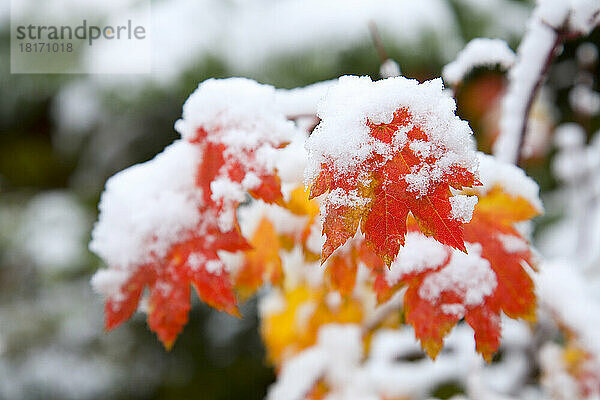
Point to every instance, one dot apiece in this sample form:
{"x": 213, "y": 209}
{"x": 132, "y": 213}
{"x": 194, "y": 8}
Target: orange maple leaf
{"x": 381, "y": 199}
{"x": 262, "y": 263}
{"x": 342, "y": 267}
{"x": 193, "y": 261}
{"x": 506, "y": 253}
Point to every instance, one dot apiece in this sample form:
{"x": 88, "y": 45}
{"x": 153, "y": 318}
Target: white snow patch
{"x": 512, "y": 179}
{"x": 343, "y": 137}
{"x": 108, "y": 282}
{"x": 536, "y": 47}
{"x": 148, "y": 207}
{"x": 480, "y": 52}
{"x": 462, "y": 207}
{"x": 468, "y": 275}
{"x": 418, "y": 254}
{"x": 237, "y": 111}
{"x": 512, "y": 243}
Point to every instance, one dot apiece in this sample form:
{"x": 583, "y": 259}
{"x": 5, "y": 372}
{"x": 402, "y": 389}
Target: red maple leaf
{"x": 378, "y": 197}
{"x": 235, "y": 165}
{"x": 505, "y": 252}
{"x": 193, "y": 261}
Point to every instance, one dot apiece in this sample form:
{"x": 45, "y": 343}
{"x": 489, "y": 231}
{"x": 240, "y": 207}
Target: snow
{"x": 570, "y": 163}
{"x": 532, "y": 55}
{"x": 389, "y": 69}
{"x": 52, "y": 231}
{"x": 108, "y": 282}
{"x": 291, "y": 160}
{"x": 512, "y": 243}
{"x": 251, "y": 181}
{"x": 214, "y": 267}
{"x": 345, "y": 347}
{"x": 284, "y": 221}
{"x": 147, "y": 208}
{"x": 242, "y": 115}
{"x": 584, "y": 16}
{"x": 557, "y": 381}
{"x": 552, "y": 12}
{"x": 303, "y": 100}
{"x": 419, "y": 254}
{"x": 388, "y": 370}
{"x": 568, "y": 295}
{"x": 462, "y": 207}
{"x": 61, "y": 350}
{"x": 338, "y": 348}
{"x": 298, "y": 271}
{"x": 298, "y": 376}
{"x": 343, "y": 137}
{"x": 584, "y": 100}
{"x": 393, "y": 376}
{"x": 224, "y": 188}
{"x": 231, "y": 261}
{"x": 587, "y": 54}
{"x": 480, "y": 52}
{"x": 468, "y": 275}
{"x": 352, "y": 198}
{"x": 316, "y": 239}
{"x": 87, "y": 377}
{"x": 334, "y": 300}
{"x": 271, "y": 303}
{"x": 237, "y": 111}
{"x": 569, "y": 136}
{"x": 228, "y": 193}
{"x": 196, "y": 260}
{"x": 510, "y": 178}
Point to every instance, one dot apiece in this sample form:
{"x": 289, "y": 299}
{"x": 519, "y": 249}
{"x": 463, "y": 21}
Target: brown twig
{"x": 533, "y": 94}
{"x": 377, "y": 42}
{"x": 563, "y": 34}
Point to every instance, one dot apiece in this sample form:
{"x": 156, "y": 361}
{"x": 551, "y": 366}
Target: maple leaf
{"x": 341, "y": 270}
{"x": 506, "y": 249}
{"x": 301, "y": 204}
{"x": 218, "y": 161}
{"x": 342, "y": 267}
{"x": 380, "y": 193}
{"x": 294, "y": 326}
{"x": 191, "y": 262}
{"x": 194, "y": 260}
{"x": 262, "y": 263}
{"x": 479, "y": 286}
{"x": 162, "y": 223}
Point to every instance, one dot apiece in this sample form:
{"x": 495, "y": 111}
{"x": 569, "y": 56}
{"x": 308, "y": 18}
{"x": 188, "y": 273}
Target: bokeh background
{"x": 62, "y": 136}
